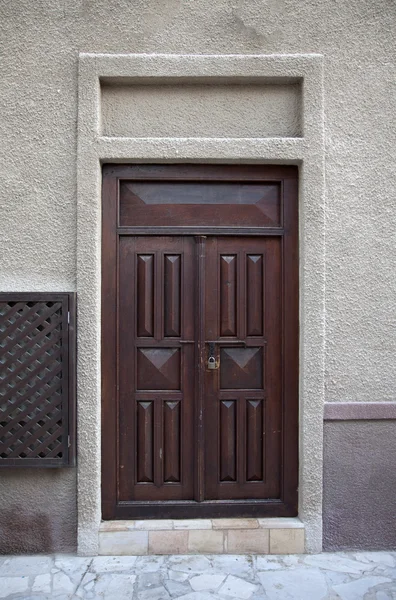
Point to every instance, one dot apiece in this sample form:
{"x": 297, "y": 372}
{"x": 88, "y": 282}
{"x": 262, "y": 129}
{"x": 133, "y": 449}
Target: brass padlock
{"x": 212, "y": 363}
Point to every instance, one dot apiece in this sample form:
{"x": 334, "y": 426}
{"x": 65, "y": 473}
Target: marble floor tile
{"x": 112, "y": 564}
{"x": 177, "y": 588}
{"x": 13, "y": 585}
{"x": 357, "y": 589}
{"x": 190, "y": 564}
{"x": 157, "y": 593}
{"x": 235, "y": 587}
{"x": 207, "y": 582}
{"x": 299, "y": 584}
{"x": 111, "y": 586}
{"x": 149, "y": 564}
{"x": 239, "y": 565}
{"x": 146, "y": 581}
{"x": 177, "y": 575}
{"x": 327, "y": 576}
{"x": 26, "y": 565}
{"x": 341, "y": 564}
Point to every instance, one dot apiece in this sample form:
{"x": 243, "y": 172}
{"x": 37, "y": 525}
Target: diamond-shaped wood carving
{"x": 158, "y": 368}
{"x": 241, "y": 368}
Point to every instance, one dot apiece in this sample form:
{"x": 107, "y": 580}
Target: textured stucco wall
{"x": 39, "y": 45}
{"x": 201, "y": 110}
{"x": 38, "y": 511}
{"x": 359, "y": 485}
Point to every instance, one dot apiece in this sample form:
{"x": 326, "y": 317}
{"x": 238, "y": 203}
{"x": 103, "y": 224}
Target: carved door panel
{"x": 156, "y": 368}
{"x": 242, "y": 409}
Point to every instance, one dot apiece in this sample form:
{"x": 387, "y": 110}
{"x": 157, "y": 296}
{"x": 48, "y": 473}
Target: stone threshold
{"x": 202, "y": 536}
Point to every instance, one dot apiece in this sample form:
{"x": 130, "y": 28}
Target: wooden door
{"x": 181, "y": 439}
{"x": 243, "y": 402}
{"x": 156, "y": 368}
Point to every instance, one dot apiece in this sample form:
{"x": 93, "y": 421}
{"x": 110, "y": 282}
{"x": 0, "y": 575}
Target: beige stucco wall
{"x": 39, "y": 45}
{"x": 201, "y": 110}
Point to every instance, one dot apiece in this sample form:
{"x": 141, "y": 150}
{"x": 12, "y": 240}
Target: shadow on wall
{"x": 22, "y": 532}
{"x": 38, "y": 511}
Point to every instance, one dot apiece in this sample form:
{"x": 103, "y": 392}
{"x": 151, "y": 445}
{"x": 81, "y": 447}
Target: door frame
{"x": 287, "y": 179}
{"x": 308, "y": 152}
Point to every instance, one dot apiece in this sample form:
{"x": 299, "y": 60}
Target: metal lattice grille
{"x": 34, "y": 381}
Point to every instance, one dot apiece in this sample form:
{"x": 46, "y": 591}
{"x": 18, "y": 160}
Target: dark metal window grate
{"x": 37, "y": 364}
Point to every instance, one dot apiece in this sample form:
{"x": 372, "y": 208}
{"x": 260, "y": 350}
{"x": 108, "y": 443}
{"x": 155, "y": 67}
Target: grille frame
{"x": 38, "y": 402}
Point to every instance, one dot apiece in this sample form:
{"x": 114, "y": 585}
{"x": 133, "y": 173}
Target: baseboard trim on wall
{"x": 357, "y": 411}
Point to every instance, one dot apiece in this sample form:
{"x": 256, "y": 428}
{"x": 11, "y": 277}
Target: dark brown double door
{"x": 200, "y": 423}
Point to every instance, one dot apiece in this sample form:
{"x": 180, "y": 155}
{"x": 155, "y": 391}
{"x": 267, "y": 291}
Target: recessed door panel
{"x": 241, "y": 368}
{"x": 145, "y": 295}
{"x": 178, "y": 203}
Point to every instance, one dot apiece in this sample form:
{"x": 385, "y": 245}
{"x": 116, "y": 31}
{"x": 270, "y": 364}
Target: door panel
{"x": 156, "y": 368}
{"x": 243, "y": 402}
{"x": 169, "y": 203}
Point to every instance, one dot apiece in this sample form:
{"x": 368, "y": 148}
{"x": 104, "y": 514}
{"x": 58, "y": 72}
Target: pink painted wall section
{"x": 348, "y": 411}
{"x": 359, "y": 503}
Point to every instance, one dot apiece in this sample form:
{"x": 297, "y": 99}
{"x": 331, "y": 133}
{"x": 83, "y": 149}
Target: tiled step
{"x": 202, "y": 536}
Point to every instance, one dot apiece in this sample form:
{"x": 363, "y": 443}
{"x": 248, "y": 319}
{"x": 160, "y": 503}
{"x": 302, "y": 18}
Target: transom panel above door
{"x": 200, "y": 341}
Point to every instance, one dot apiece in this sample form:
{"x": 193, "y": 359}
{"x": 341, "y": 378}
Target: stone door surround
{"x": 304, "y": 148}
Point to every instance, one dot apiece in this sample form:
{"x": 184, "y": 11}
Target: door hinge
{"x": 68, "y": 441}
{"x": 68, "y": 317}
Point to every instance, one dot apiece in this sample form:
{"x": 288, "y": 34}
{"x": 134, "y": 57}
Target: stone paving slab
{"x": 328, "y": 576}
